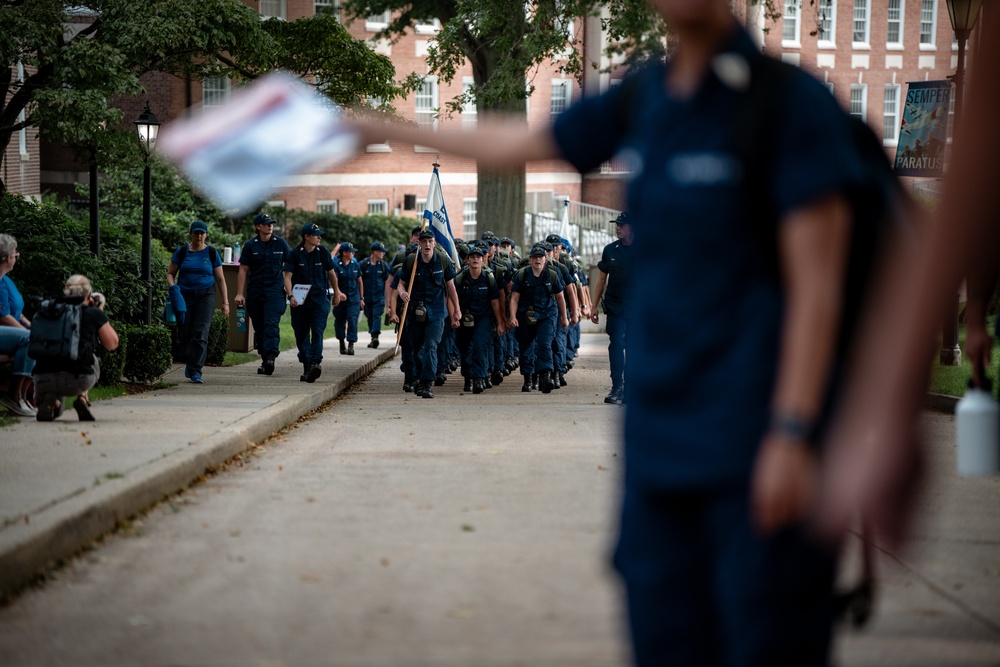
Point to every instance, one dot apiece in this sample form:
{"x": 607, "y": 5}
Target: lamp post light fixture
{"x": 147, "y": 126}
{"x": 963, "y": 15}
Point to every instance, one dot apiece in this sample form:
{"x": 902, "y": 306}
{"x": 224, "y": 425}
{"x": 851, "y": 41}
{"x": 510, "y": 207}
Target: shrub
{"x": 148, "y": 353}
{"x": 113, "y": 361}
{"x": 218, "y": 339}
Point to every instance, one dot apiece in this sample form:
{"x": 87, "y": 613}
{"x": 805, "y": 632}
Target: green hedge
{"x": 113, "y": 361}
{"x": 218, "y": 339}
{"x": 148, "y": 355}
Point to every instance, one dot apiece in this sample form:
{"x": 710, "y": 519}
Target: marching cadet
{"x": 346, "y": 313}
{"x": 612, "y": 286}
{"x": 537, "y": 293}
{"x": 430, "y": 297}
{"x": 374, "y": 273}
{"x": 479, "y": 299}
{"x": 553, "y": 247}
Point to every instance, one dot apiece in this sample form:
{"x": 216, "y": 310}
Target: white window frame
{"x": 421, "y": 206}
{"x": 898, "y": 44}
{"x": 469, "y": 209}
{"x": 890, "y": 114}
{"x": 282, "y": 9}
{"x": 378, "y": 207}
{"x": 320, "y": 7}
{"x": 862, "y": 90}
{"x": 276, "y": 203}
{"x": 565, "y": 86}
{"x": 932, "y": 34}
{"x": 791, "y": 17}
{"x": 429, "y": 109}
{"x": 383, "y": 147}
{"x": 378, "y": 22}
{"x": 864, "y": 9}
{"x": 328, "y": 206}
{"x": 427, "y": 26}
{"x": 215, "y": 91}
{"x": 825, "y": 41}
{"x": 470, "y": 113}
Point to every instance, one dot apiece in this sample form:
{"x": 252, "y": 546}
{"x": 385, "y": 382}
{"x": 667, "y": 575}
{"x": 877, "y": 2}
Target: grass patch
{"x": 287, "y": 339}
{"x": 952, "y": 380}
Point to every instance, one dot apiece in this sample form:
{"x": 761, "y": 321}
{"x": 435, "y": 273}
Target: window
{"x": 827, "y": 22}
{"x": 377, "y": 22}
{"x": 329, "y": 206}
{"x": 427, "y": 102}
{"x": 859, "y": 101}
{"x": 560, "y": 96}
{"x": 928, "y": 22}
{"x": 470, "y": 114}
{"x": 376, "y": 102}
{"x": 860, "y": 22}
{"x": 829, "y": 86}
{"x": 790, "y": 23}
{"x": 378, "y": 207}
{"x": 469, "y": 218}
{"x": 894, "y": 25}
{"x": 276, "y": 203}
{"x": 327, "y": 7}
{"x": 427, "y": 26}
{"x": 272, "y": 9}
{"x": 890, "y": 115}
{"x": 215, "y": 91}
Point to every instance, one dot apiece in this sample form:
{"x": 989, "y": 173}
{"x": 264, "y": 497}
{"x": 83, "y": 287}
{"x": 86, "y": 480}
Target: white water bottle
{"x": 977, "y": 431}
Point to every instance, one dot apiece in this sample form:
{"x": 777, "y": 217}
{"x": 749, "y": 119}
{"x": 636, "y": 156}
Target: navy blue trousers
{"x": 615, "y": 326}
{"x": 265, "y": 311}
{"x": 373, "y": 315}
{"x": 426, "y": 338}
{"x": 474, "y": 347}
{"x": 309, "y": 325}
{"x": 345, "y": 321}
{"x": 706, "y": 590}
{"x": 535, "y": 343}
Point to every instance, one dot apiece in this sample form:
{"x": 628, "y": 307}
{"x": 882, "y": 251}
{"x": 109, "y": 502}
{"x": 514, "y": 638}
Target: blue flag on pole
{"x": 437, "y": 218}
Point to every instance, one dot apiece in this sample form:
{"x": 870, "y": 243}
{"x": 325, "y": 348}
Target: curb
{"x": 29, "y": 550}
{"x": 940, "y": 402}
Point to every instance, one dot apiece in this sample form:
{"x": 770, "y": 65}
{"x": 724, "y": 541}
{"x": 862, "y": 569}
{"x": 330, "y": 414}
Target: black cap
{"x": 426, "y": 233}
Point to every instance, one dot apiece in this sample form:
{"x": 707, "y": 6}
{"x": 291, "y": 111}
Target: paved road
{"x": 464, "y": 530}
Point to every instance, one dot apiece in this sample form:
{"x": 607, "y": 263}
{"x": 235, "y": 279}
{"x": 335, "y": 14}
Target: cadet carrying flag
{"x": 437, "y": 218}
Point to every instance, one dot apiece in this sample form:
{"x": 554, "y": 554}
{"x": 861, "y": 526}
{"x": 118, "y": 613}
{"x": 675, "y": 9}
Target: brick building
{"x": 865, "y": 51}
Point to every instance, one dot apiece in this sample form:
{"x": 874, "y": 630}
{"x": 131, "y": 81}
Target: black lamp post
{"x": 95, "y": 225}
{"x": 963, "y": 15}
{"x": 147, "y": 126}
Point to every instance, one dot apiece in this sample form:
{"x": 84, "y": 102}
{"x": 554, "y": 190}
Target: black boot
{"x": 545, "y": 382}
{"x": 534, "y": 382}
{"x": 350, "y": 349}
{"x": 614, "y": 397}
{"x": 409, "y": 384}
{"x": 562, "y": 380}
{"x": 343, "y": 346}
{"x": 526, "y": 387}
{"x": 468, "y": 385}
{"x": 374, "y": 343}
{"x": 478, "y": 385}
{"x": 440, "y": 379}
{"x": 314, "y": 373}
{"x": 486, "y": 383}
{"x": 496, "y": 378}
{"x": 426, "y": 391}
{"x": 267, "y": 365}
{"x": 305, "y": 372}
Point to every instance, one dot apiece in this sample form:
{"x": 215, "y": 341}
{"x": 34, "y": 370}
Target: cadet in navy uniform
{"x": 374, "y": 273}
{"x": 428, "y": 299}
{"x": 346, "y": 313}
{"x": 536, "y": 301}
{"x": 479, "y": 298}
{"x": 612, "y": 285}
{"x": 200, "y": 270}
{"x": 260, "y": 268}
{"x": 311, "y": 264}
{"x": 732, "y": 346}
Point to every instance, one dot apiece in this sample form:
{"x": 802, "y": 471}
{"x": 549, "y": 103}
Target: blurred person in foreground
{"x": 57, "y": 378}
{"x": 874, "y": 457}
{"x": 14, "y": 326}
{"x": 732, "y": 339}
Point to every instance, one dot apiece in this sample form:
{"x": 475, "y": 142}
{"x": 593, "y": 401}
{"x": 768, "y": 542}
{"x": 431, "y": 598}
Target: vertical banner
{"x": 924, "y": 129}
{"x": 564, "y": 222}
{"x": 437, "y": 218}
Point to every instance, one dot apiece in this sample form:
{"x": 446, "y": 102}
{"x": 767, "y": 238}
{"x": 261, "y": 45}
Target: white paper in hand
{"x": 238, "y": 153}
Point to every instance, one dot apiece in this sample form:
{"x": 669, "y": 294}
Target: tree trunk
{"x": 500, "y": 204}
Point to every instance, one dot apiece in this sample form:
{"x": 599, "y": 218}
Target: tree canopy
{"x": 79, "y": 56}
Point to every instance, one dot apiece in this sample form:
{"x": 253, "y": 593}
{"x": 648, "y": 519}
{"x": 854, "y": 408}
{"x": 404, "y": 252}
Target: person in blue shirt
{"x": 310, "y": 265}
{"x": 196, "y": 270}
{"x": 14, "y": 332}
{"x": 261, "y": 282}
{"x": 732, "y": 344}
{"x": 537, "y": 306}
{"x": 375, "y": 271}
{"x": 346, "y": 313}
{"x": 479, "y": 299}
{"x": 612, "y": 286}
{"x": 430, "y": 297}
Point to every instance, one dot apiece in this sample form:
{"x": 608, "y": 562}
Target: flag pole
{"x": 413, "y": 273}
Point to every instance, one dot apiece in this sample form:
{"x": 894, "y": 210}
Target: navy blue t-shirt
{"x": 265, "y": 261}
{"x": 615, "y": 261}
{"x": 429, "y": 284}
{"x": 705, "y": 319}
{"x": 347, "y": 280}
{"x": 476, "y": 294}
{"x": 311, "y": 268}
{"x": 537, "y": 291}
{"x": 373, "y": 276}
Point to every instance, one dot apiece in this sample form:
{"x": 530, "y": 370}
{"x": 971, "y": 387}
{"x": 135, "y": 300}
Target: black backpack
{"x": 55, "y": 329}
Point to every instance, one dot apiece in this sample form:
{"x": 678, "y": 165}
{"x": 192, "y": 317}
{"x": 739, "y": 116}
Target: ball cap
{"x": 198, "y": 226}
{"x": 553, "y": 239}
{"x": 426, "y": 234}
{"x": 346, "y": 247}
{"x": 476, "y": 250}
{"x": 378, "y": 246}
{"x": 311, "y": 229}
{"x": 622, "y": 219}
{"x": 263, "y": 219}
{"x": 538, "y": 250}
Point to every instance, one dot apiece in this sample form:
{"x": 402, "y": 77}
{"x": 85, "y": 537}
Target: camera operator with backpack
{"x": 64, "y": 337}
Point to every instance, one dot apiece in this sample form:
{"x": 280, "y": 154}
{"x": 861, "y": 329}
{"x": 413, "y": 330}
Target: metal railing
{"x": 590, "y": 228}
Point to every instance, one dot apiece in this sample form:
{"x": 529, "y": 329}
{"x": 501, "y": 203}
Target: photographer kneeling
{"x": 56, "y": 378}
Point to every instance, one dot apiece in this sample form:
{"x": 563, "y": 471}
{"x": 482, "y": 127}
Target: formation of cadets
{"x": 496, "y": 313}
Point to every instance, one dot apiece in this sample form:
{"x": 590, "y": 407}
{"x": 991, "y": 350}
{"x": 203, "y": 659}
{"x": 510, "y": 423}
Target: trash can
{"x": 239, "y": 341}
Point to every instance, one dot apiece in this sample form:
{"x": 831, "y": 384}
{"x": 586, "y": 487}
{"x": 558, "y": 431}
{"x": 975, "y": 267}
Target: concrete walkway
{"x": 66, "y": 483}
